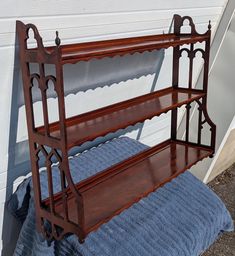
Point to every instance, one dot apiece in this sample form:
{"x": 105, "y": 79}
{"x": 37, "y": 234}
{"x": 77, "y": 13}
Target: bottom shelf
{"x": 110, "y": 192}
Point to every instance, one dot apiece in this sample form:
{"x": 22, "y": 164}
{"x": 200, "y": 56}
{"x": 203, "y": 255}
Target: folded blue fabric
{"x": 184, "y": 217}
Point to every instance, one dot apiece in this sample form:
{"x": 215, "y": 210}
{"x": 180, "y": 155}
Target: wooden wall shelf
{"x": 83, "y": 207}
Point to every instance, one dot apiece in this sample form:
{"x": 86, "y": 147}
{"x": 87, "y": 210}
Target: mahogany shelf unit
{"x": 81, "y": 208}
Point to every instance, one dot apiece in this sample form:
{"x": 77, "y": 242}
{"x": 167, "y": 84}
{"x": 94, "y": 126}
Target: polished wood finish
{"x": 89, "y": 126}
{"x": 83, "y": 207}
{"x": 109, "y": 48}
{"x": 131, "y": 180}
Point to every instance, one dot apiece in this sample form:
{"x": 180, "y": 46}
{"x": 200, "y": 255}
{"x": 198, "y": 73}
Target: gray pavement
{"x": 224, "y": 187}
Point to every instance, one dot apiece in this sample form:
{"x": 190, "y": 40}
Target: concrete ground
{"x": 224, "y": 187}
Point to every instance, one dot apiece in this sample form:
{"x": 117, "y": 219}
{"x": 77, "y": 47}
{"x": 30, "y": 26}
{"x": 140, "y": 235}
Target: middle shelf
{"x": 93, "y": 124}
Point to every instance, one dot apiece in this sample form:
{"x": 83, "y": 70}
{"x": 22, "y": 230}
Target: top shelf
{"x": 73, "y": 53}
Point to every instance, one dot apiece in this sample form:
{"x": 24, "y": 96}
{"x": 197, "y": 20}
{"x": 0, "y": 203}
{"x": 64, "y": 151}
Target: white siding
{"x": 222, "y": 79}
{"x": 87, "y": 20}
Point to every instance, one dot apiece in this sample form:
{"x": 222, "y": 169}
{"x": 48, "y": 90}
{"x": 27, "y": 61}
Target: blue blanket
{"x": 184, "y": 217}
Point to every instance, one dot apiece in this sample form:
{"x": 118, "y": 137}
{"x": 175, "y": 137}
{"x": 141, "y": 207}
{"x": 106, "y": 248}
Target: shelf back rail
{"x": 42, "y": 144}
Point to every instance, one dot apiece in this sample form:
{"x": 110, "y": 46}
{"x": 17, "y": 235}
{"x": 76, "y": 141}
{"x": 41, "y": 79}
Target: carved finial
{"x": 57, "y": 39}
{"x": 209, "y": 26}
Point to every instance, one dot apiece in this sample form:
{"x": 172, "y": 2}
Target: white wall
{"x": 225, "y": 156}
{"x": 78, "y": 21}
{"x": 222, "y": 78}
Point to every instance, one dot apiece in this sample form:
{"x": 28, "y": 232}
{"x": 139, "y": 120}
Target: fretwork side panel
{"x": 44, "y": 148}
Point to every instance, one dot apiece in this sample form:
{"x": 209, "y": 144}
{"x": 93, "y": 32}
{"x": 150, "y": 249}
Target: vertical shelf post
{"x": 175, "y": 75}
